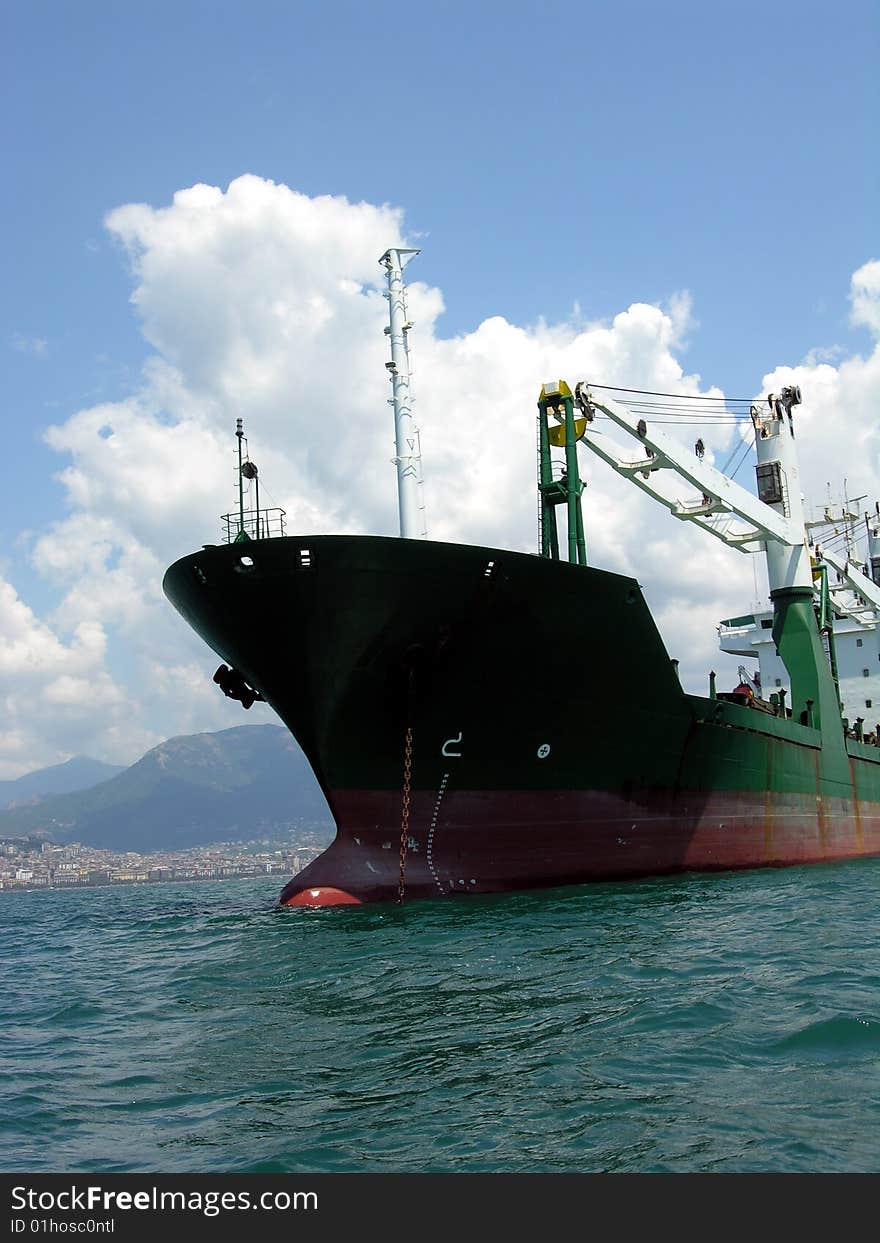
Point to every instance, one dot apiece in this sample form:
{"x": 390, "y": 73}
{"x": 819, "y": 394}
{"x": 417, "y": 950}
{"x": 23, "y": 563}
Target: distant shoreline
{"x": 129, "y": 884}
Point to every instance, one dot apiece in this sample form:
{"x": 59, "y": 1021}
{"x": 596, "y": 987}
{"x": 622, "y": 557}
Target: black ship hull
{"x": 550, "y": 739}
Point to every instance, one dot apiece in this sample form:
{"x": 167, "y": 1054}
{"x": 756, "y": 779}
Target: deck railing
{"x": 253, "y": 524}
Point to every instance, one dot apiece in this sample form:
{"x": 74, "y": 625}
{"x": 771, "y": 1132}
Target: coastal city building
{"x": 29, "y": 864}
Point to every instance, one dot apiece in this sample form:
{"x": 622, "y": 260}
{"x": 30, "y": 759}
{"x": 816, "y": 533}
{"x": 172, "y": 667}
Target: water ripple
{"x": 696, "y": 1023}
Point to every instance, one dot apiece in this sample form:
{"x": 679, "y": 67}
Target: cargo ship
{"x": 482, "y": 720}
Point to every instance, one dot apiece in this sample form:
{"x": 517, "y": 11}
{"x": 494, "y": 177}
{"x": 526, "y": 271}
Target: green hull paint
{"x": 814, "y": 697}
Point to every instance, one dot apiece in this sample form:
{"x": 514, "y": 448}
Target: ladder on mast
{"x": 557, "y": 402}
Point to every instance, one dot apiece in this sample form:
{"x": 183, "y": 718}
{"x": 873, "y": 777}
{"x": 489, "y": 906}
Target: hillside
{"x": 76, "y": 774}
{"x": 188, "y": 791}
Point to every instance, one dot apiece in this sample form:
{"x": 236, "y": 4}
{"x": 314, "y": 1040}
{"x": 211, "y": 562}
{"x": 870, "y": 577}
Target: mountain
{"x": 199, "y": 788}
{"x": 76, "y": 774}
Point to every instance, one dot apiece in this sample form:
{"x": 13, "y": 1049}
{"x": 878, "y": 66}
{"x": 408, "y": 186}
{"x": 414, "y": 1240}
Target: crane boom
{"x": 854, "y": 578}
{"x": 720, "y": 497}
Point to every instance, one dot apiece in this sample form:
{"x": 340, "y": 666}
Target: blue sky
{"x": 545, "y": 157}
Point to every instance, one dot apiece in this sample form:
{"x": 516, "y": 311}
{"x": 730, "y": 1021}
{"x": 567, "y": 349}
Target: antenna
{"x": 239, "y": 431}
{"x": 408, "y": 458}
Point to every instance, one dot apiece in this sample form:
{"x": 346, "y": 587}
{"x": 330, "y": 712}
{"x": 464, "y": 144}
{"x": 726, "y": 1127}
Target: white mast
{"x": 788, "y": 565}
{"x": 408, "y": 457}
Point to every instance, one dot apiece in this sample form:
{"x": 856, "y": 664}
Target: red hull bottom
{"x": 491, "y": 841}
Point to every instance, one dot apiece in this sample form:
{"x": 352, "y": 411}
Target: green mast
{"x": 556, "y": 402}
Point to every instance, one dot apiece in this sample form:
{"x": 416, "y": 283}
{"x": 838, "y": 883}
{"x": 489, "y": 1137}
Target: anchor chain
{"x": 404, "y": 816}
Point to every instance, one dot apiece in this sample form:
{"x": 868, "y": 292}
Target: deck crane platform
{"x": 772, "y": 522}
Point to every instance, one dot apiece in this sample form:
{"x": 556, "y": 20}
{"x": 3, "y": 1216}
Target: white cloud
{"x": 24, "y": 344}
{"x": 55, "y": 692}
{"x": 262, "y": 303}
{"x": 865, "y": 296}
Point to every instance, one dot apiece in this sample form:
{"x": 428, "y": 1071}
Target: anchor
{"x": 233, "y": 685}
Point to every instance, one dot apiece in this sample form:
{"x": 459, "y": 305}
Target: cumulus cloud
{"x": 865, "y": 296}
{"x": 53, "y": 689}
{"x": 260, "y": 302}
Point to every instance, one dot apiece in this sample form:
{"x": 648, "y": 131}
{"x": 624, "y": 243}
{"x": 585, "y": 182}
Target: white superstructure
{"x": 854, "y": 591}
{"x": 858, "y": 659}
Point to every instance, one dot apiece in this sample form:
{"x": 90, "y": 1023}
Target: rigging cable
{"x": 646, "y": 392}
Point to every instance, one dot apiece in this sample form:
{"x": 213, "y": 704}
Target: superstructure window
{"x": 767, "y": 623}
{"x": 866, "y": 673}
{"x": 779, "y": 681}
{"x": 858, "y": 642}
{"x": 869, "y": 703}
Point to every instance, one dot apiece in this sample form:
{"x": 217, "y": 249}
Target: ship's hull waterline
{"x": 551, "y": 742}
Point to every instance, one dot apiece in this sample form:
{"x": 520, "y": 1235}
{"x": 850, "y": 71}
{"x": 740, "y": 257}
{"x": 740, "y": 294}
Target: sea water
{"x": 726, "y": 1022}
